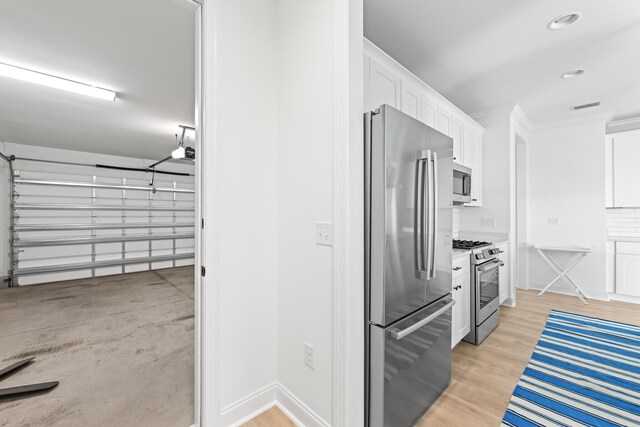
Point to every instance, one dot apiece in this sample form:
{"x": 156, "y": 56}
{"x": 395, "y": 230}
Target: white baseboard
{"x": 274, "y": 394}
{"x": 624, "y": 298}
{"x": 242, "y": 410}
{"x": 297, "y": 410}
{"x": 509, "y": 302}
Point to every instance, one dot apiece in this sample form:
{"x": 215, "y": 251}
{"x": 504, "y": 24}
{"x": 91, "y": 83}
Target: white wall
{"x": 495, "y": 177}
{"x": 305, "y": 195}
{"x": 240, "y": 139}
{"x": 567, "y": 180}
{"x": 269, "y": 136}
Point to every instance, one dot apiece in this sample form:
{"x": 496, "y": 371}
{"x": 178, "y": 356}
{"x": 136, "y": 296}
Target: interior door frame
{"x": 202, "y": 324}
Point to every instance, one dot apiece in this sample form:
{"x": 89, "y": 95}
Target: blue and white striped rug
{"x": 584, "y": 371}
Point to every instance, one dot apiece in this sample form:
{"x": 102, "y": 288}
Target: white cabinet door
{"x": 444, "y": 121}
{"x": 628, "y": 268}
{"x": 456, "y": 134}
{"x": 464, "y": 305}
{"x": 475, "y": 163}
{"x": 465, "y": 155}
{"x": 610, "y": 251}
{"x": 626, "y": 152}
{"x": 461, "y": 312}
{"x": 428, "y": 111}
{"x": 411, "y": 100}
{"x": 503, "y": 288}
{"x": 628, "y": 274}
{"x": 608, "y": 171}
{"x": 384, "y": 86}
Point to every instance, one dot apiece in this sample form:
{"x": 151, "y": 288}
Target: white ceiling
{"x": 142, "y": 49}
{"x": 487, "y": 54}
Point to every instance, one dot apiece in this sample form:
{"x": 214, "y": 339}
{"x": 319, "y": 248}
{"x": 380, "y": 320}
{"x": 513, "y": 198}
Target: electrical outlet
{"x": 487, "y": 222}
{"x": 308, "y": 355}
{"x": 552, "y": 220}
{"x": 324, "y": 233}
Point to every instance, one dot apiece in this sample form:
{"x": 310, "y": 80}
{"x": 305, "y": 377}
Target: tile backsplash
{"x": 456, "y": 222}
{"x": 623, "y": 222}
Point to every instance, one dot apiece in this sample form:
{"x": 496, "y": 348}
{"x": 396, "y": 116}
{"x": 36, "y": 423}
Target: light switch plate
{"x": 552, "y": 220}
{"x": 308, "y": 355}
{"x": 324, "y": 233}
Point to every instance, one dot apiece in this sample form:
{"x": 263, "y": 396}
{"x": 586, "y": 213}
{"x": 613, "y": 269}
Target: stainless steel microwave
{"x": 461, "y": 184}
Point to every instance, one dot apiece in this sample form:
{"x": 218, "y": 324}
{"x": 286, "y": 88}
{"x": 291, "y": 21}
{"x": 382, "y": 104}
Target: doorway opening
{"x": 100, "y": 212}
{"x": 521, "y": 241}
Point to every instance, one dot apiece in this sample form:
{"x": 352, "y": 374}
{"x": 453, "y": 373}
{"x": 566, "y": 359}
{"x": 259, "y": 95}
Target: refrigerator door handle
{"x": 403, "y": 333}
{"x": 422, "y": 215}
{"x": 434, "y": 215}
{"x": 429, "y": 259}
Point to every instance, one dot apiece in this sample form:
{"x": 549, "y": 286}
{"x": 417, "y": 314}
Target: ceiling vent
{"x": 583, "y": 106}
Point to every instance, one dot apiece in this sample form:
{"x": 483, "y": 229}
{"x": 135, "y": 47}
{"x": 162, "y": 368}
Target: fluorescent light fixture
{"x": 563, "y": 21}
{"x": 573, "y": 74}
{"x": 48, "y": 80}
{"x": 178, "y": 153}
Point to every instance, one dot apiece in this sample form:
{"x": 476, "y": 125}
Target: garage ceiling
{"x": 486, "y": 54}
{"x": 142, "y": 49}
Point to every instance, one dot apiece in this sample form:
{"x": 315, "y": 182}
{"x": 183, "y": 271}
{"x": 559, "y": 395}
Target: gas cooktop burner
{"x": 469, "y": 244}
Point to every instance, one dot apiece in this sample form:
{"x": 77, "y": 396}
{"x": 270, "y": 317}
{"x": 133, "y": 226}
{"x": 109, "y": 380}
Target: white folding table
{"x": 580, "y": 254}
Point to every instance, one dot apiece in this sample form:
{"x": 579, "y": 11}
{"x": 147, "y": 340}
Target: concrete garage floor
{"x": 121, "y": 347}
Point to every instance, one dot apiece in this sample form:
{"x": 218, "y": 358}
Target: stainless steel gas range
{"x": 485, "y": 285}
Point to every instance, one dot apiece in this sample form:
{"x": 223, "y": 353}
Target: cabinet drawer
{"x": 460, "y": 266}
{"x": 504, "y": 248}
{"x": 630, "y": 248}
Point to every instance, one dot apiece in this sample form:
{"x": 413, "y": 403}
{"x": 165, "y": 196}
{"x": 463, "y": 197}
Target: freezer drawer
{"x": 410, "y": 365}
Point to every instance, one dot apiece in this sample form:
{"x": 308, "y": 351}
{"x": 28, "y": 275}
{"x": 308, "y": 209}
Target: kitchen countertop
{"x": 495, "y": 238}
{"x": 459, "y": 253}
{"x": 622, "y": 239}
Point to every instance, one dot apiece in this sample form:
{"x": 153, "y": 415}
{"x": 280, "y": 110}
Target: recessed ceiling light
{"x": 48, "y": 80}
{"x": 572, "y": 74}
{"x": 563, "y": 21}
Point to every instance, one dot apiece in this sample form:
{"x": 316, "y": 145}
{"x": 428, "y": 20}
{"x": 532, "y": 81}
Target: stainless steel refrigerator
{"x": 408, "y": 237}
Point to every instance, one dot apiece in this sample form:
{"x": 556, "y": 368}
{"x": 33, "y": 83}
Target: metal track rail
{"x": 111, "y": 226}
{"x": 70, "y": 207}
{"x": 105, "y": 186}
{"x": 27, "y": 243}
{"x": 97, "y": 264}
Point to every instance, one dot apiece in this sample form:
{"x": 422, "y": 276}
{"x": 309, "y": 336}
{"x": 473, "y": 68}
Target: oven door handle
{"x": 430, "y": 318}
{"x": 493, "y": 265}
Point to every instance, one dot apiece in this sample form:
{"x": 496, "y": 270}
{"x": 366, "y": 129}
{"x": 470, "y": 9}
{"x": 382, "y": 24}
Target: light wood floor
{"x": 121, "y": 347}
{"x": 273, "y": 417}
{"x": 484, "y": 376}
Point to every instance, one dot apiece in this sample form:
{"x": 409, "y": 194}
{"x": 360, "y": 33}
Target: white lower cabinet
{"x": 627, "y": 260}
{"x": 461, "y": 292}
{"x": 503, "y": 289}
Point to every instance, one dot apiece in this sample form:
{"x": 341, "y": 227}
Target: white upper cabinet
{"x": 624, "y": 151}
{"x": 467, "y": 140}
{"x": 385, "y": 87}
{"x": 411, "y": 100}
{"x": 444, "y": 120}
{"x": 456, "y": 134}
{"x": 387, "y": 82}
{"x": 608, "y": 175}
{"x": 428, "y": 111}
{"x": 474, "y": 161}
